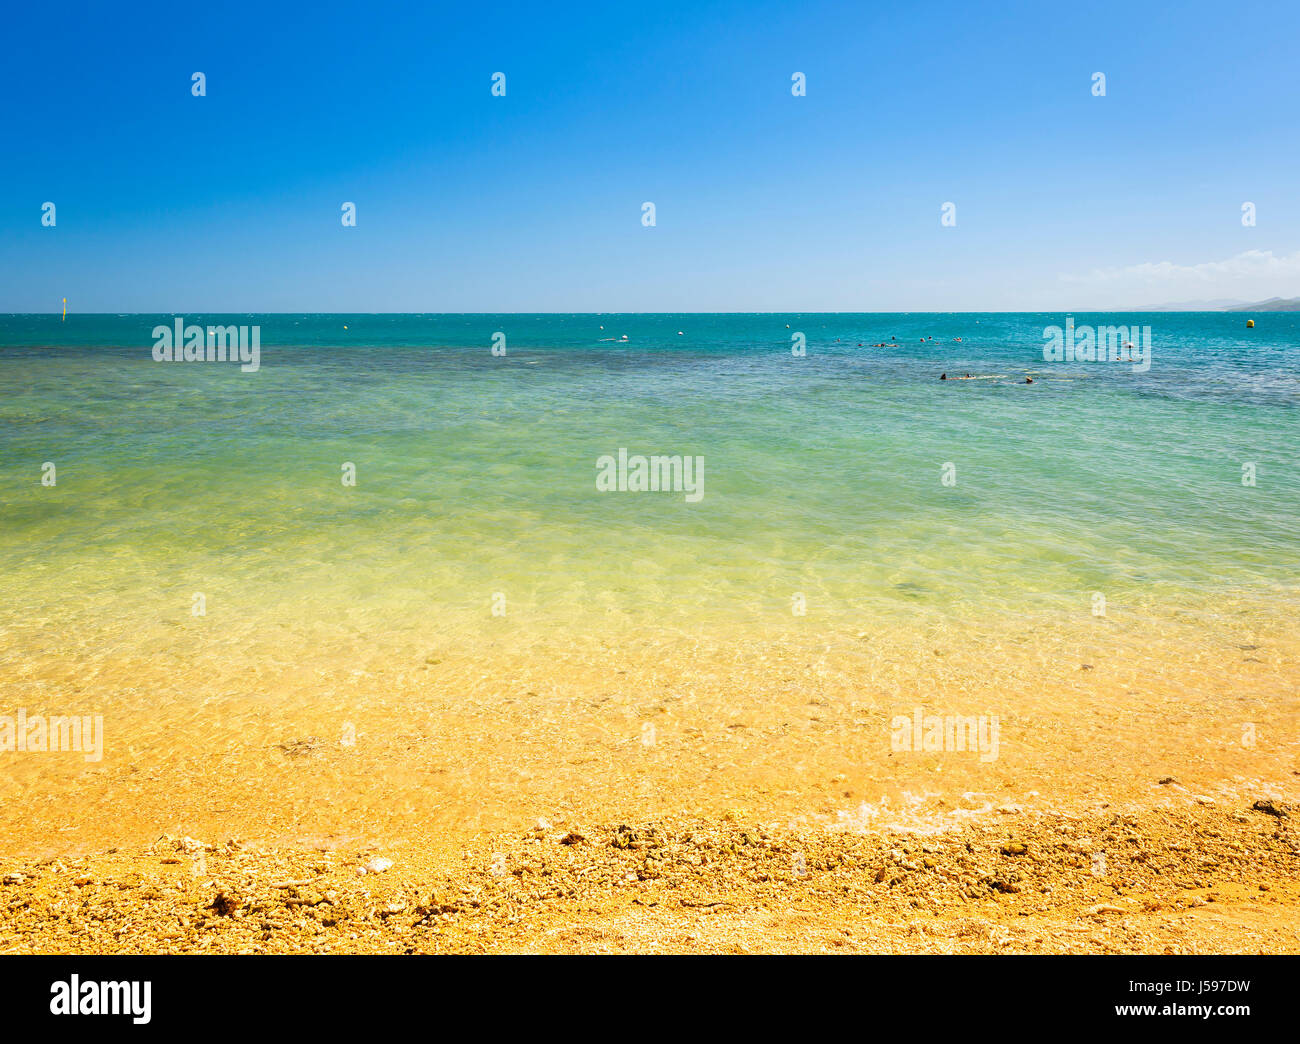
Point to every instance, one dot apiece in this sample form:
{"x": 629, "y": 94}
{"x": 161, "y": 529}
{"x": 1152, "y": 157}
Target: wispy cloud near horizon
{"x": 1252, "y": 275}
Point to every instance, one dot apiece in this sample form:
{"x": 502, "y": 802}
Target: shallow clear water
{"x": 332, "y": 611}
{"x": 476, "y": 474}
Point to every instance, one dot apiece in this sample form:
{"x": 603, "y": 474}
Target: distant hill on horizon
{"x": 1221, "y": 304}
{"x": 1273, "y": 304}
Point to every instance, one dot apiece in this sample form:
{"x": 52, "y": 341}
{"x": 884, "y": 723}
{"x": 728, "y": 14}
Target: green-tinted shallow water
{"x": 476, "y": 474}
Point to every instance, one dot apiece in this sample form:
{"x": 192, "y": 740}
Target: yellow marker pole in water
{"x": 65, "y": 309}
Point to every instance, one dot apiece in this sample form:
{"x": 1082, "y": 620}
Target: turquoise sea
{"x": 824, "y": 473}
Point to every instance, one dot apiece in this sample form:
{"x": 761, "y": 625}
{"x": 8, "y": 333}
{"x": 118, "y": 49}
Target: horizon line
{"x": 790, "y": 312}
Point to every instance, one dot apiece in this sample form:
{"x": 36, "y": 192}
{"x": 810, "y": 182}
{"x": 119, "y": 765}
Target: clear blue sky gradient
{"x": 532, "y": 202}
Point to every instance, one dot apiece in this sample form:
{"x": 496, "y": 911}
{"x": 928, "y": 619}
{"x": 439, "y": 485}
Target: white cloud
{"x": 1252, "y": 275}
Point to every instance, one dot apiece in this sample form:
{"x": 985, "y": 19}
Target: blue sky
{"x": 764, "y": 201}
